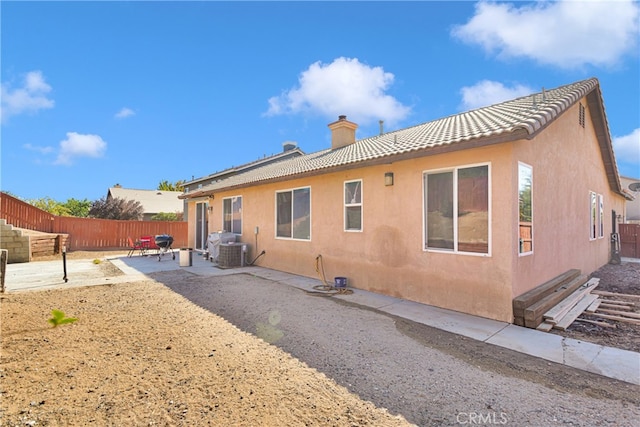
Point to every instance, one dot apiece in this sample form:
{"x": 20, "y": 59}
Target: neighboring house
{"x": 153, "y": 201}
{"x": 200, "y": 206}
{"x": 465, "y": 212}
{"x": 633, "y": 206}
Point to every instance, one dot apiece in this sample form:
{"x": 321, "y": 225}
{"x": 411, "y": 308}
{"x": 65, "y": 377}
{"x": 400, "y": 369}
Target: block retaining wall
{"x": 17, "y": 245}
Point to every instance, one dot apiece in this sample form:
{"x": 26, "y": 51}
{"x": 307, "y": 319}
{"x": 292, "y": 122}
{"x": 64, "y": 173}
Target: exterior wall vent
{"x": 581, "y": 115}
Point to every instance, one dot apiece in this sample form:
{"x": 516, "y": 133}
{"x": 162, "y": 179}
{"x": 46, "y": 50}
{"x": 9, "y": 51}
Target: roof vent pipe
{"x": 381, "y": 127}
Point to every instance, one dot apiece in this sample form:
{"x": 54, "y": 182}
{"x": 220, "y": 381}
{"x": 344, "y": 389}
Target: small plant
{"x": 97, "y": 261}
{"x": 59, "y": 318}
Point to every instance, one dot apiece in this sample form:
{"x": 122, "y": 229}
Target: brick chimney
{"x": 343, "y": 132}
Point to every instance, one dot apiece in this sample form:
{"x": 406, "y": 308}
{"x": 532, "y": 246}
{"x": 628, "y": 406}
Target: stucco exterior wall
{"x": 567, "y": 166}
{"x": 388, "y": 256}
{"x": 632, "y": 213}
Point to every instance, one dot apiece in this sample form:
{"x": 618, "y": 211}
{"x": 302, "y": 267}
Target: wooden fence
{"x": 23, "y": 215}
{"x": 88, "y": 233}
{"x": 629, "y": 240}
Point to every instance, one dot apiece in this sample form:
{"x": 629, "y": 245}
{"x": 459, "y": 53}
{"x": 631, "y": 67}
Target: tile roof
{"x": 515, "y": 119}
{"x": 291, "y": 152}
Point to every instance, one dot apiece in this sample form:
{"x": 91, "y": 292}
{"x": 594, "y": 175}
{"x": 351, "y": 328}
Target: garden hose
{"x": 326, "y": 290}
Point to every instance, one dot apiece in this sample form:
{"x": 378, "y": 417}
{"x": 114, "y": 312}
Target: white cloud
{"x": 566, "y": 33}
{"x": 38, "y": 148}
{"x": 627, "y": 148}
{"x": 487, "y": 92}
{"x": 79, "y": 145}
{"x": 125, "y": 112}
{"x": 345, "y": 86}
{"x": 29, "y": 98}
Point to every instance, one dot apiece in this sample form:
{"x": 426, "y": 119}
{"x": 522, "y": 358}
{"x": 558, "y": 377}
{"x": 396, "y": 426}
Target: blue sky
{"x": 134, "y": 93}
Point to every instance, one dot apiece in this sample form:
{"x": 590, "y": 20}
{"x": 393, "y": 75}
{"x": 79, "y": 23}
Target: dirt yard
{"x": 621, "y": 279}
{"x": 141, "y": 354}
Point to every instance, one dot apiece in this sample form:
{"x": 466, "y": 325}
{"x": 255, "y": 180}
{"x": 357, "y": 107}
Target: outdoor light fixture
{"x": 388, "y": 178}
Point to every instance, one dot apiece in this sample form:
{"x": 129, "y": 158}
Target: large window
{"x": 232, "y": 214}
{"x": 525, "y": 212}
{"x": 457, "y": 209}
{"x": 293, "y": 214}
{"x": 353, "y": 205}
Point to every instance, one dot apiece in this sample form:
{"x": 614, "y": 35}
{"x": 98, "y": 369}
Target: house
{"x": 153, "y": 201}
{"x": 633, "y": 206}
{"x": 464, "y": 212}
{"x": 289, "y": 150}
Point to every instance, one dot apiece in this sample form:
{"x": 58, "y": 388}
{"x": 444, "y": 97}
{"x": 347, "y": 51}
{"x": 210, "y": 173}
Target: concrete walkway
{"x": 607, "y": 361}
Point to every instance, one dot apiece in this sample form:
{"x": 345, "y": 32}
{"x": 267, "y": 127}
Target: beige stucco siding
{"x": 567, "y": 165}
{"x": 388, "y": 255}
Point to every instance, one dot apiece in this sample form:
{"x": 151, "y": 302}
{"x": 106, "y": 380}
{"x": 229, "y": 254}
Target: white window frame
{"x": 601, "y": 216}
{"x": 353, "y": 204}
{"x": 522, "y": 164}
{"x": 596, "y": 216}
{"x": 292, "y": 190}
{"x": 232, "y": 199}
{"x": 455, "y": 170}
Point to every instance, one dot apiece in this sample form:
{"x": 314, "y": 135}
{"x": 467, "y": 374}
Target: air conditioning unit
{"x": 233, "y": 255}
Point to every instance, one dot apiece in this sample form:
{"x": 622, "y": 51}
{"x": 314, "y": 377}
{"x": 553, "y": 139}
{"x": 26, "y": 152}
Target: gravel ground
{"x": 426, "y": 375}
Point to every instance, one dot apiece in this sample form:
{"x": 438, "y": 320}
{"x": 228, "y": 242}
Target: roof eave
{"x": 516, "y": 134}
{"x": 601, "y": 127}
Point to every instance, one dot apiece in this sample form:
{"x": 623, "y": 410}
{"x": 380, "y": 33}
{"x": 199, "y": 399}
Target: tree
{"x": 78, "y": 208}
{"x": 116, "y": 208}
{"x": 168, "y": 186}
{"x": 49, "y": 205}
{"x": 167, "y": 216}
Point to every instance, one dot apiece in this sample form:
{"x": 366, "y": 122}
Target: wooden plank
{"x": 595, "y": 322}
{"x": 594, "y": 306}
{"x": 616, "y": 306}
{"x": 615, "y": 294}
{"x": 558, "y": 311}
{"x": 614, "y": 301}
{"x": 576, "y": 311}
{"x": 619, "y": 313}
{"x": 545, "y": 326}
{"x": 618, "y": 318}
{"x": 534, "y": 295}
{"x": 533, "y": 314}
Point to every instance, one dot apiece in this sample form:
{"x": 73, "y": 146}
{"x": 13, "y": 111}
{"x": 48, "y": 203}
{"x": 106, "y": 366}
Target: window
{"x": 597, "y": 216}
{"x": 457, "y": 209}
{"x": 353, "y": 205}
{"x": 232, "y": 214}
{"x": 293, "y": 214}
{"x": 601, "y": 219}
{"x": 525, "y": 220}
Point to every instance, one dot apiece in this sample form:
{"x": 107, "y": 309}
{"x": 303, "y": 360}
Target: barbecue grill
{"x": 163, "y": 242}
